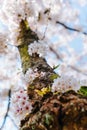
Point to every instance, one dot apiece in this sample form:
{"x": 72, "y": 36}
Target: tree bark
{"x": 67, "y": 111}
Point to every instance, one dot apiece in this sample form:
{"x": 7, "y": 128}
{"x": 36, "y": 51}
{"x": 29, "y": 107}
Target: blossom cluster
{"x": 20, "y": 103}
{"x": 38, "y": 47}
{"x": 65, "y": 83}
{"x": 3, "y": 40}
{"x": 12, "y": 12}
{"x": 32, "y": 75}
{"x": 83, "y": 82}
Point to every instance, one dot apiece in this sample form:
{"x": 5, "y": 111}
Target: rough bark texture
{"x": 66, "y": 111}
{"x": 25, "y": 38}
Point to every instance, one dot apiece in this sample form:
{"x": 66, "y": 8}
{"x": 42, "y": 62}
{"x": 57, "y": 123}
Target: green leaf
{"x": 55, "y": 67}
{"x": 31, "y": 87}
{"x": 48, "y": 119}
{"x": 53, "y": 76}
{"x": 33, "y": 127}
{"x": 83, "y": 90}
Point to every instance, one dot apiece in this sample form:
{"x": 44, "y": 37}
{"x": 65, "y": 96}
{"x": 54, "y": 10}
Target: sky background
{"x": 76, "y": 44}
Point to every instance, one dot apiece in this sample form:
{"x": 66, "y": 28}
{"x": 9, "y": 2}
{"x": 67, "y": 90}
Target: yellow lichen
{"x": 43, "y": 91}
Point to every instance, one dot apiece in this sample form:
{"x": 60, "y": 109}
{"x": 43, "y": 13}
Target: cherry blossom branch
{"x": 70, "y": 28}
{"x": 72, "y": 67}
{"x": 8, "y": 107}
{"x": 78, "y": 70}
{"x": 57, "y": 55}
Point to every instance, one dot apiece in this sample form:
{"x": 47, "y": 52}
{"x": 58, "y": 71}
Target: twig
{"x": 78, "y": 70}
{"x": 70, "y": 28}
{"x": 57, "y": 55}
{"x": 72, "y": 67}
{"x": 8, "y": 106}
{"x": 13, "y": 122}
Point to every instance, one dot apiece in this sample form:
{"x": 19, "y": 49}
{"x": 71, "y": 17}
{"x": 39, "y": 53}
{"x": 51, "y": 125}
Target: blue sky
{"x": 76, "y": 43}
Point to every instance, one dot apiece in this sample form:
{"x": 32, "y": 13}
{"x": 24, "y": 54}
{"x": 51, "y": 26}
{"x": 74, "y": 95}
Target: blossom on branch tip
{"x": 39, "y": 48}
{"x": 20, "y": 103}
{"x": 31, "y": 75}
{"x": 65, "y": 83}
{"x": 83, "y": 82}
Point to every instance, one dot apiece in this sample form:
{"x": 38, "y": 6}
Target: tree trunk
{"x": 64, "y": 111}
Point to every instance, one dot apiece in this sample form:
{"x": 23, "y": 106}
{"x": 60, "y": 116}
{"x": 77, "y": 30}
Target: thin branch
{"x": 44, "y": 32}
{"x": 8, "y": 106}
{"x": 70, "y": 28}
{"x": 72, "y": 67}
{"x": 45, "y": 12}
{"x": 78, "y": 70}
{"x": 57, "y": 55}
{"x": 13, "y": 122}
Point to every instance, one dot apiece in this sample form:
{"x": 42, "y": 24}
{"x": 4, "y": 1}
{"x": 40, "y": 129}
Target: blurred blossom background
{"x": 63, "y": 28}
